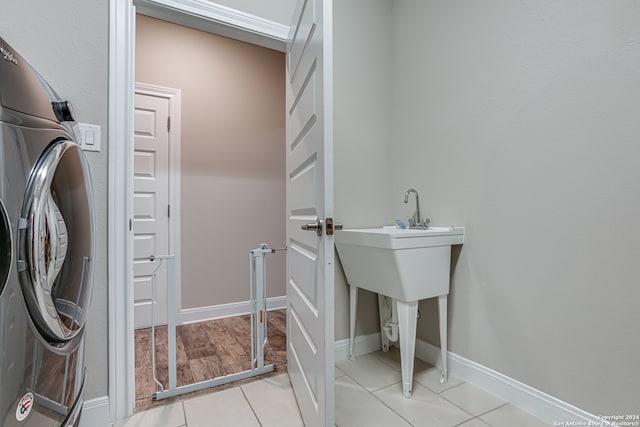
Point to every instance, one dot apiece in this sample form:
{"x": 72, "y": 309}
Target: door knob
{"x": 314, "y": 226}
{"x": 317, "y": 227}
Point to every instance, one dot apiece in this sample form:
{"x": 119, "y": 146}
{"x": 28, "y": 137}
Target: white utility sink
{"x": 406, "y": 265}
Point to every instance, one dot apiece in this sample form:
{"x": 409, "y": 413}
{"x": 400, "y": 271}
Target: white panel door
{"x": 150, "y": 207}
{"x": 310, "y": 314}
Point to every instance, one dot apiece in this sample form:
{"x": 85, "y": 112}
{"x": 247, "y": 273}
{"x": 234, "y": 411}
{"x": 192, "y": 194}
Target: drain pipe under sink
{"x": 388, "y": 320}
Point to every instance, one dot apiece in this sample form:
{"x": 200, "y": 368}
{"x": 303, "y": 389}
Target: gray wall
{"x": 68, "y": 45}
{"x": 232, "y": 155}
{"x": 362, "y": 131}
{"x": 520, "y": 121}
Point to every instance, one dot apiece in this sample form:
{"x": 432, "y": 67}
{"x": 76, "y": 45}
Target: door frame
{"x": 196, "y": 14}
{"x": 174, "y": 97}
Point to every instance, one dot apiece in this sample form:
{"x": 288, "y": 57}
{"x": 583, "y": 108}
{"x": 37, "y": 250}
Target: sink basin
{"x": 406, "y": 264}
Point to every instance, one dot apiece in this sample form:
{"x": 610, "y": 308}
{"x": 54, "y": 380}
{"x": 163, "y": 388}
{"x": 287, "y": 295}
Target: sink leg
{"x": 442, "y": 310}
{"x": 353, "y": 310}
{"x": 407, "y": 323}
{"x": 383, "y": 318}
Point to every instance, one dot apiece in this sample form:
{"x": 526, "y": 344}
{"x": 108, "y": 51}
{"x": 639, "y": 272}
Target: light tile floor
{"x": 368, "y": 393}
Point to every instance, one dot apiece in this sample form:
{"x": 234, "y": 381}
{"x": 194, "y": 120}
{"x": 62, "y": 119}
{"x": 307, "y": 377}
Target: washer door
{"x": 56, "y": 242}
{"x": 5, "y": 247}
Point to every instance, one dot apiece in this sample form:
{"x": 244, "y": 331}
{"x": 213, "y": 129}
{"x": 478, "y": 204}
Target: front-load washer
{"x": 46, "y": 251}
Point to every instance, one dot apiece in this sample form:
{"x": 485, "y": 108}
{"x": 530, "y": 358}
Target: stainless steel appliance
{"x": 46, "y": 251}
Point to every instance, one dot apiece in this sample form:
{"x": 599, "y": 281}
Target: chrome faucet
{"x": 416, "y": 221}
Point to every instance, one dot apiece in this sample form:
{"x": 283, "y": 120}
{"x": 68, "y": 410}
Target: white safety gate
{"x": 259, "y": 337}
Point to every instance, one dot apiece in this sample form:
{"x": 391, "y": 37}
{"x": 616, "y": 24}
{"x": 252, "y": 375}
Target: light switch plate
{"x": 88, "y": 136}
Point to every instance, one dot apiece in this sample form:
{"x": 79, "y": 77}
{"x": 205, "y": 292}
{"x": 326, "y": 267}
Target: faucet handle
{"x": 412, "y": 222}
{"x": 426, "y": 222}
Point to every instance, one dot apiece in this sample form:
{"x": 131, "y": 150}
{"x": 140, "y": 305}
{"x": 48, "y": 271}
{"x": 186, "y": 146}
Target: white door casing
{"x": 195, "y": 14}
{"x": 310, "y": 266}
{"x": 155, "y": 198}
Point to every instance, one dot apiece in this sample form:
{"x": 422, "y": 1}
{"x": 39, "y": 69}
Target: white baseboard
{"x": 364, "y": 344}
{"x": 202, "y": 314}
{"x": 95, "y": 412}
{"x": 531, "y": 400}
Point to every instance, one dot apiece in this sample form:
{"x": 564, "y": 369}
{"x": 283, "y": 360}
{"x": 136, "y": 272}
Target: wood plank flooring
{"x": 204, "y": 351}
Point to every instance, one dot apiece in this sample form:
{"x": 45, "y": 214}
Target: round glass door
{"x": 5, "y": 247}
{"x": 56, "y": 242}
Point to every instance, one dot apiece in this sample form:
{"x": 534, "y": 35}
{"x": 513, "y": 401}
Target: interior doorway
{"x": 231, "y": 172}
{"x": 205, "y": 16}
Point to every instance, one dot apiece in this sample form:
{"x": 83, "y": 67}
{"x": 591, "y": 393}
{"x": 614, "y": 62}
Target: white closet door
{"x": 150, "y": 207}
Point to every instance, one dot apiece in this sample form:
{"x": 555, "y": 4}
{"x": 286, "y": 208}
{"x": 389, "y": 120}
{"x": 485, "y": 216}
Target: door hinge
{"x": 332, "y": 226}
{"x": 168, "y": 211}
{"x": 168, "y": 123}
{"x": 130, "y": 225}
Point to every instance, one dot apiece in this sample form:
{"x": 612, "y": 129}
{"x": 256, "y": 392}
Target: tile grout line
{"x": 474, "y": 418}
{"x": 376, "y": 397}
{"x": 250, "y": 406}
{"x": 494, "y": 409}
{"x": 184, "y": 413}
{"x": 447, "y": 400}
{"x": 436, "y": 392}
{"x": 366, "y": 389}
{"x": 464, "y": 410}
{"x": 384, "y": 360}
{"x": 450, "y": 388}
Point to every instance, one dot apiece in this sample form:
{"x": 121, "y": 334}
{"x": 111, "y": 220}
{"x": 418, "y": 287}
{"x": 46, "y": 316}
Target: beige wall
{"x": 520, "y": 121}
{"x": 232, "y": 155}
